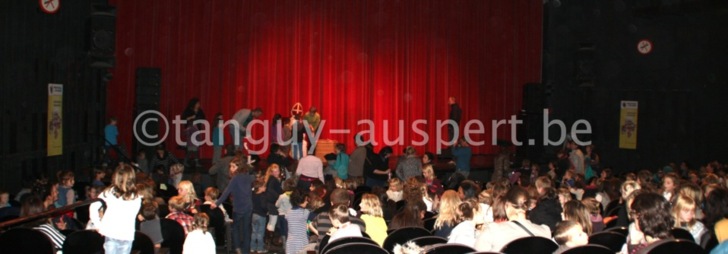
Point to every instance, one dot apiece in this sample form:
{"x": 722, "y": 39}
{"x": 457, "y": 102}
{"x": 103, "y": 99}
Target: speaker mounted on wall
{"x": 148, "y": 90}
{"x": 102, "y": 36}
{"x": 584, "y": 65}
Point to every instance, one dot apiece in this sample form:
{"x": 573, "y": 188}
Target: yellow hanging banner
{"x": 628, "y": 125}
{"x": 55, "y": 119}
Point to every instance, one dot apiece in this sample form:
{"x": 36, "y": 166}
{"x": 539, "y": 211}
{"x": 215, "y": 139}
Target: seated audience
{"x": 341, "y": 226}
{"x": 372, "y": 216}
{"x": 684, "y": 214}
{"x": 150, "y": 224}
{"x": 465, "y": 231}
{"x": 176, "y": 213}
{"x": 34, "y": 205}
{"x": 569, "y": 234}
{"x": 651, "y": 212}
{"x": 497, "y": 235}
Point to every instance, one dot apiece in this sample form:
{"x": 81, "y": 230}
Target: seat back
{"x": 612, "y": 240}
{"x": 672, "y": 246}
{"x": 402, "y": 235}
{"x": 345, "y": 240}
{"x": 84, "y": 242}
{"x": 530, "y": 244}
{"x": 588, "y": 249}
{"x": 142, "y": 243}
{"x": 356, "y": 248}
{"x": 708, "y": 240}
{"x": 679, "y": 233}
{"x": 448, "y": 248}
{"x": 423, "y": 241}
{"x": 621, "y": 230}
{"x": 26, "y": 240}
{"x": 430, "y": 224}
{"x": 173, "y": 235}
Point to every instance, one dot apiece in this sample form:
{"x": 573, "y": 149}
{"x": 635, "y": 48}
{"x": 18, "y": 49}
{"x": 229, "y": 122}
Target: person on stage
{"x": 243, "y": 117}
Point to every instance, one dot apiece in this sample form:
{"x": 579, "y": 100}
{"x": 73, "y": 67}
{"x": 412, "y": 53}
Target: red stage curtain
{"x": 380, "y": 60}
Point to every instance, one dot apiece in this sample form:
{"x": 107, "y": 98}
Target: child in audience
{"x": 284, "y": 206}
{"x": 142, "y": 162}
{"x": 592, "y": 205}
{"x": 394, "y": 192}
{"x": 175, "y": 173}
{"x": 33, "y": 205}
{"x": 434, "y": 185}
{"x": 95, "y": 209}
{"x": 66, "y": 194}
{"x": 577, "y": 212}
{"x": 150, "y": 225}
{"x": 342, "y": 227}
{"x": 99, "y": 178}
{"x": 199, "y": 240}
{"x": 684, "y": 213}
{"x": 569, "y": 234}
{"x": 242, "y": 196}
{"x": 4, "y": 199}
{"x": 122, "y": 207}
{"x": 211, "y": 195}
{"x": 297, "y": 223}
{"x": 372, "y": 216}
{"x": 465, "y": 231}
{"x": 176, "y": 213}
{"x": 260, "y": 212}
{"x": 186, "y": 190}
{"x": 670, "y": 187}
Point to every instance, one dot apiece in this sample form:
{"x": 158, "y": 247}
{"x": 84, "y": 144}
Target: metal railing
{"x": 46, "y": 214}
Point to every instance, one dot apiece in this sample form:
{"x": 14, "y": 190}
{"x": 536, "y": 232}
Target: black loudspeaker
{"x": 102, "y": 36}
{"x": 148, "y": 90}
{"x": 530, "y": 132}
{"x": 584, "y": 65}
{"x": 534, "y": 98}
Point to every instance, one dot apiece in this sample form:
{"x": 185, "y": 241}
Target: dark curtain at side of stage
{"x": 380, "y": 60}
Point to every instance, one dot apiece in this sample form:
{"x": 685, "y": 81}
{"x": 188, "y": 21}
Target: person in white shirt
{"x": 465, "y": 232}
{"x": 497, "y": 235}
{"x": 199, "y": 240}
{"x": 309, "y": 169}
{"x": 339, "y": 216}
{"x": 122, "y": 206}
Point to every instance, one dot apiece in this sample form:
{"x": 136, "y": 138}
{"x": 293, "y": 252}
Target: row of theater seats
{"x": 610, "y": 241}
{"x": 24, "y": 240}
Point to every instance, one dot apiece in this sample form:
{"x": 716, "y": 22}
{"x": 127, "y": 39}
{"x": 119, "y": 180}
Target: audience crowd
{"x": 292, "y": 205}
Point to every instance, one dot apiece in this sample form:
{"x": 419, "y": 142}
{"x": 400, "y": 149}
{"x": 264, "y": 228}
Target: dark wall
{"x": 680, "y": 85}
{"x": 36, "y": 49}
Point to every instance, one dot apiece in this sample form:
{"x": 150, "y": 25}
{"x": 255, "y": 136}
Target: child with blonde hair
{"x": 199, "y": 240}
{"x": 684, "y": 213}
{"x": 186, "y": 190}
{"x": 447, "y": 219}
{"x": 373, "y": 217}
{"x": 394, "y": 192}
{"x": 465, "y": 231}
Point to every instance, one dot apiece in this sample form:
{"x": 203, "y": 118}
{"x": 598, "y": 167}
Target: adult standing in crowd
{"x": 462, "y": 153}
{"x": 376, "y": 166}
{"x": 192, "y": 112}
{"x": 410, "y": 165}
{"x": 243, "y": 117}
{"x": 314, "y": 120}
{"x": 357, "y": 158}
{"x": 222, "y": 168}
